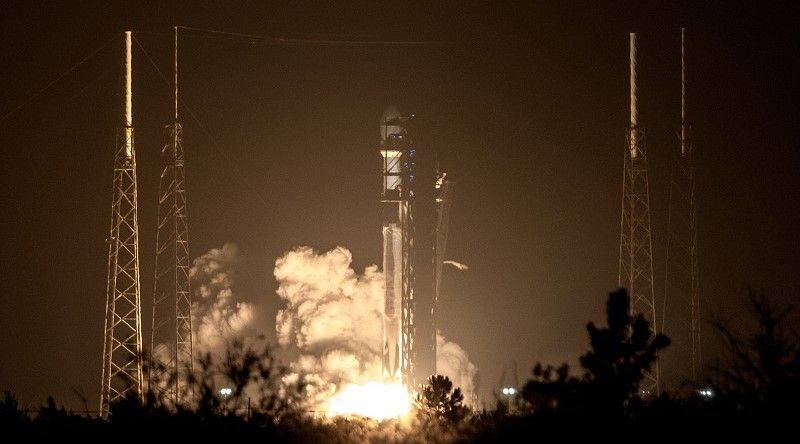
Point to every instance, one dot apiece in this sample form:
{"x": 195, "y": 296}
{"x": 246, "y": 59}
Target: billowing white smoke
{"x": 452, "y": 361}
{"x": 218, "y": 315}
{"x": 333, "y": 319}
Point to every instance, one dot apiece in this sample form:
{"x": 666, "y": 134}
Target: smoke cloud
{"x": 452, "y": 361}
{"x": 333, "y": 321}
{"x": 220, "y": 316}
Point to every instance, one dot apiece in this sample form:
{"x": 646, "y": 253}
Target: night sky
{"x": 527, "y": 106}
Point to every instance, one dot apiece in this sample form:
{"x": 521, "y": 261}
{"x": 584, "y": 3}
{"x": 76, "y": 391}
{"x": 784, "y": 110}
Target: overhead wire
{"x": 49, "y": 85}
{"x": 255, "y": 38}
{"x": 214, "y": 143}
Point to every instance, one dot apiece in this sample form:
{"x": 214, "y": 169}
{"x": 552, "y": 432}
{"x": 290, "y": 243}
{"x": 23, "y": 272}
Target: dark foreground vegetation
{"x": 755, "y": 393}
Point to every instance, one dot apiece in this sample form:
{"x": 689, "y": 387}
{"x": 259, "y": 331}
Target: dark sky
{"x": 529, "y": 107}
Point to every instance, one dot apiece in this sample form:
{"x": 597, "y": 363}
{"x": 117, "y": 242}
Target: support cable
{"x": 33, "y": 96}
{"x": 269, "y": 40}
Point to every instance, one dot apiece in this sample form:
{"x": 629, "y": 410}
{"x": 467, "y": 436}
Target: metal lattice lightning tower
{"x": 681, "y": 311}
{"x": 443, "y": 199}
{"x": 171, "y": 340}
{"x": 636, "y": 245}
{"x": 398, "y": 173}
{"x": 122, "y": 346}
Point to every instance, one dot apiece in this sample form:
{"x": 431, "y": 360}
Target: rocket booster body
{"x": 392, "y": 269}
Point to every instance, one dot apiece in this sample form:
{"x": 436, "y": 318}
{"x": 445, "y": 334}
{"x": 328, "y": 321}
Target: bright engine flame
{"x": 375, "y": 400}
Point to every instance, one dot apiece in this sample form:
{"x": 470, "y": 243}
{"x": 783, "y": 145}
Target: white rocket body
{"x": 392, "y": 269}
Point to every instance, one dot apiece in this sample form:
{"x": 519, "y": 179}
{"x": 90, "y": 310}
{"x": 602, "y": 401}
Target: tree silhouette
{"x": 551, "y": 390}
{"x": 763, "y": 366}
{"x": 438, "y": 400}
{"x": 621, "y": 354}
{"x": 11, "y": 415}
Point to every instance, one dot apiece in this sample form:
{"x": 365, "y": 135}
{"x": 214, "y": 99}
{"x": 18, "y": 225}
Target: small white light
{"x": 505, "y": 391}
{"x": 512, "y": 391}
{"x": 225, "y": 391}
{"x": 706, "y": 392}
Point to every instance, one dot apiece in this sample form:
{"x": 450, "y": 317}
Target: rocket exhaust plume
{"x": 332, "y": 320}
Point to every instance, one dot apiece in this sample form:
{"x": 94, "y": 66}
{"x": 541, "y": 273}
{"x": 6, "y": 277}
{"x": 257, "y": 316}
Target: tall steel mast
{"x": 681, "y": 312}
{"x": 636, "y": 245}
{"x": 122, "y": 346}
{"x": 171, "y": 340}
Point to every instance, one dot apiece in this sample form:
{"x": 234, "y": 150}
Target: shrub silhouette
{"x": 762, "y": 371}
{"x": 11, "y": 415}
{"x": 438, "y": 400}
{"x": 758, "y": 388}
{"x": 621, "y": 353}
